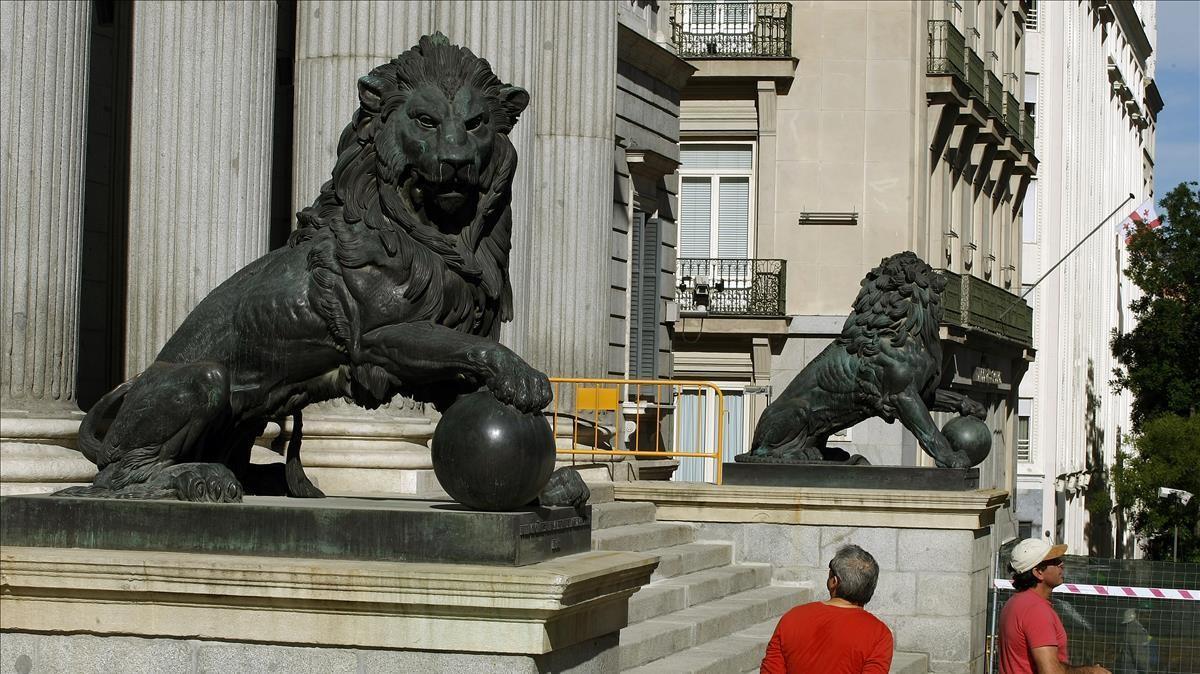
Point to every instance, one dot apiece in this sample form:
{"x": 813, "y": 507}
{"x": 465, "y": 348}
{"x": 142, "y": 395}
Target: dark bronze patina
{"x": 395, "y": 282}
{"x": 887, "y": 363}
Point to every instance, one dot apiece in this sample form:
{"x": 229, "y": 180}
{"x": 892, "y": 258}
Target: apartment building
{"x": 1090, "y": 83}
{"x": 818, "y": 138}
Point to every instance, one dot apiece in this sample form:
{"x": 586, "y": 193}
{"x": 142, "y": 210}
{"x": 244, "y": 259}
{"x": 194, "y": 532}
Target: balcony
{"x": 731, "y": 286}
{"x": 950, "y": 55}
{"x": 732, "y": 30}
{"x": 974, "y": 304}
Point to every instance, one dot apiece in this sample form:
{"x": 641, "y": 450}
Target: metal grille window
{"x": 1031, "y": 16}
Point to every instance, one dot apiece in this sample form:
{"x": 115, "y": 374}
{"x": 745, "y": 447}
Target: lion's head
{"x": 426, "y": 165}
{"x": 899, "y": 300}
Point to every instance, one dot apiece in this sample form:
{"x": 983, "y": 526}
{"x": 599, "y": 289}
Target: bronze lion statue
{"x": 886, "y": 363}
{"x": 395, "y": 282}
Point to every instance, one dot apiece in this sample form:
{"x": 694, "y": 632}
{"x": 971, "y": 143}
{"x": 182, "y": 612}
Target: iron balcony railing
{"x": 731, "y": 286}
{"x": 995, "y": 95}
{"x": 1012, "y": 115}
{"x": 947, "y": 50}
{"x": 732, "y": 30}
{"x": 975, "y": 75}
{"x": 972, "y": 303}
{"x": 1028, "y": 130}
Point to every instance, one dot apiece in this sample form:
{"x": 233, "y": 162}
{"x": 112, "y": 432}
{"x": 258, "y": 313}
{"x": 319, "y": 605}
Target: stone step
{"x": 643, "y": 537}
{"x": 674, "y": 594}
{"x": 673, "y": 633}
{"x": 739, "y": 652}
{"x": 690, "y": 557}
{"x": 601, "y": 491}
{"x": 621, "y": 513}
{"x": 909, "y": 663}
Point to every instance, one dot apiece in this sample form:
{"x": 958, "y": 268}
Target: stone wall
{"x": 24, "y": 653}
{"x": 933, "y": 583}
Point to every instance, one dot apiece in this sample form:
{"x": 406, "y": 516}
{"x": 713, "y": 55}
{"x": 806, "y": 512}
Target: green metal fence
{"x": 1132, "y": 616}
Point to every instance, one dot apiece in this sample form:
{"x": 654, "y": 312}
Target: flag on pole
{"x": 1143, "y": 216}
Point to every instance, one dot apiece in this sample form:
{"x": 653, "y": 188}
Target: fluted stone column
{"x": 563, "y": 306}
{"x": 200, "y": 158}
{"x": 44, "y": 77}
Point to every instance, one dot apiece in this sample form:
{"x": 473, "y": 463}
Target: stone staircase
{"x": 701, "y": 613}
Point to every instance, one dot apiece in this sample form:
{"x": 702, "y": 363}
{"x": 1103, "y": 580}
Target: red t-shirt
{"x": 1028, "y": 622}
{"x": 820, "y": 639}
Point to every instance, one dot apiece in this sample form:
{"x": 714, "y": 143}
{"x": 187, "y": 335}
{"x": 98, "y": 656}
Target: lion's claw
{"x": 515, "y": 382}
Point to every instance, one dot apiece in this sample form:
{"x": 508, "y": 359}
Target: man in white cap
{"x": 1032, "y": 638}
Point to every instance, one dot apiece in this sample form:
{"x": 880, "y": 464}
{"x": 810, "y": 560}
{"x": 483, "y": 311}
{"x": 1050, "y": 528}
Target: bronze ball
{"x": 490, "y": 456}
{"x": 969, "y": 435}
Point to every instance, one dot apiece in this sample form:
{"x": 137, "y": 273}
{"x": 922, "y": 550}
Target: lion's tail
{"x": 91, "y": 439}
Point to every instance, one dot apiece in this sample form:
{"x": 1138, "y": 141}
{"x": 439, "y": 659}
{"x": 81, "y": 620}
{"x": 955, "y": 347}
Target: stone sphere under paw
{"x": 970, "y": 436}
{"x": 490, "y": 456}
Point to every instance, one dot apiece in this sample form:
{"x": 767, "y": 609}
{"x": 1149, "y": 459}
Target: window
{"x": 1031, "y": 95}
{"x": 697, "y": 429}
{"x": 1031, "y": 15}
{"x": 717, "y": 197}
{"x": 1029, "y": 214}
{"x": 1024, "y": 417}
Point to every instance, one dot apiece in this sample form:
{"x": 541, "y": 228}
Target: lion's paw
{"x": 954, "y": 459}
{"x": 515, "y": 382}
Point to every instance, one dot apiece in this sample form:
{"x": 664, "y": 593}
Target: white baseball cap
{"x": 1033, "y": 551}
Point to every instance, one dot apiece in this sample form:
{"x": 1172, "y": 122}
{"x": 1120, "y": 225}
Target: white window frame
{"x": 720, "y": 23}
{"x": 1028, "y": 449}
{"x": 709, "y": 427}
{"x": 714, "y": 176}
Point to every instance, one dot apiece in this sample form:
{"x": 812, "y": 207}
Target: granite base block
{"x": 370, "y": 529}
{"x": 851, "y": 477}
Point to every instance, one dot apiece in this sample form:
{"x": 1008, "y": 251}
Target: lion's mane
{"x": 899, "y": 301}
{"x": 460, "y": 281}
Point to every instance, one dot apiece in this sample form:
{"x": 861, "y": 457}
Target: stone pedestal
{"x": 200, "y": 158}
{"x": 44, "y": 74}
{"x": 104, "y": 610}
{"x": 935, "y": 550}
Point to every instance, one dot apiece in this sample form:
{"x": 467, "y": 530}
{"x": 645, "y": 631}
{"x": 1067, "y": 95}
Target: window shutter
{"x": 644, "y": 300}
{"x": 717, "y": 157}
{"x": 696, "y": 213}
{"x": 733, "y": 226}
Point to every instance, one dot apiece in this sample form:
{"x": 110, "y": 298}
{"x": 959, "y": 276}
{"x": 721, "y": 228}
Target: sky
{"x": 1177, "y": 143}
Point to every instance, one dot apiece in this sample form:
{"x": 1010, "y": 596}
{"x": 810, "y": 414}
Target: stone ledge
{"x": 900, "y": 508}
{"x": 439, "y": 607}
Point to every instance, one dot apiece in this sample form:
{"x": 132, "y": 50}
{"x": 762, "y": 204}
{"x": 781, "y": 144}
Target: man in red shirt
{"x": 1032, "y": 638}
{"x": 837, "y": 636}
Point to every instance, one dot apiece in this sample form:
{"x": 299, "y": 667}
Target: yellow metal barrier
{"x": 593, "y": 415}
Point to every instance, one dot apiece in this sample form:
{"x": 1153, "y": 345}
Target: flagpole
{"x": 1063, "y": 258}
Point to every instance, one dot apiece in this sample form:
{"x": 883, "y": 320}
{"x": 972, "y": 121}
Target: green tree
{"x": 1160, "y": 358}
{"x": 1168, "y": 455}
{"x": 1160, "y": 366}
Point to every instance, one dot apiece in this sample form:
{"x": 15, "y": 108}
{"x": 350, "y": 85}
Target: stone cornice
{"x": 701, "y": 502}
{"x": 457, "y": 607}
{"x": 652, "y": 58}
{"x": 1132, "y": 27}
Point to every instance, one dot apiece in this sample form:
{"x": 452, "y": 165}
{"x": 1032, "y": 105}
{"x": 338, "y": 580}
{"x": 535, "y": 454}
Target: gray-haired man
{"x": 836, "y": 636}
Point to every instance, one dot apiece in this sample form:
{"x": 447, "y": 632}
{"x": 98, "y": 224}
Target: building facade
{"x": 865, "y": 129}
{"x": 1090, "y": 84}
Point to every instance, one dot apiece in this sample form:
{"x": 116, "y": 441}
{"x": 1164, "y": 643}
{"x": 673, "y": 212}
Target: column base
{"x": 37, "y": 452}
{"x": 365, "y": 453}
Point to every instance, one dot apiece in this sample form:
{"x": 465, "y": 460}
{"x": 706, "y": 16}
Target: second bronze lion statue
{"x": 395, "y": 282}
{"x": 886, "y": 363}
